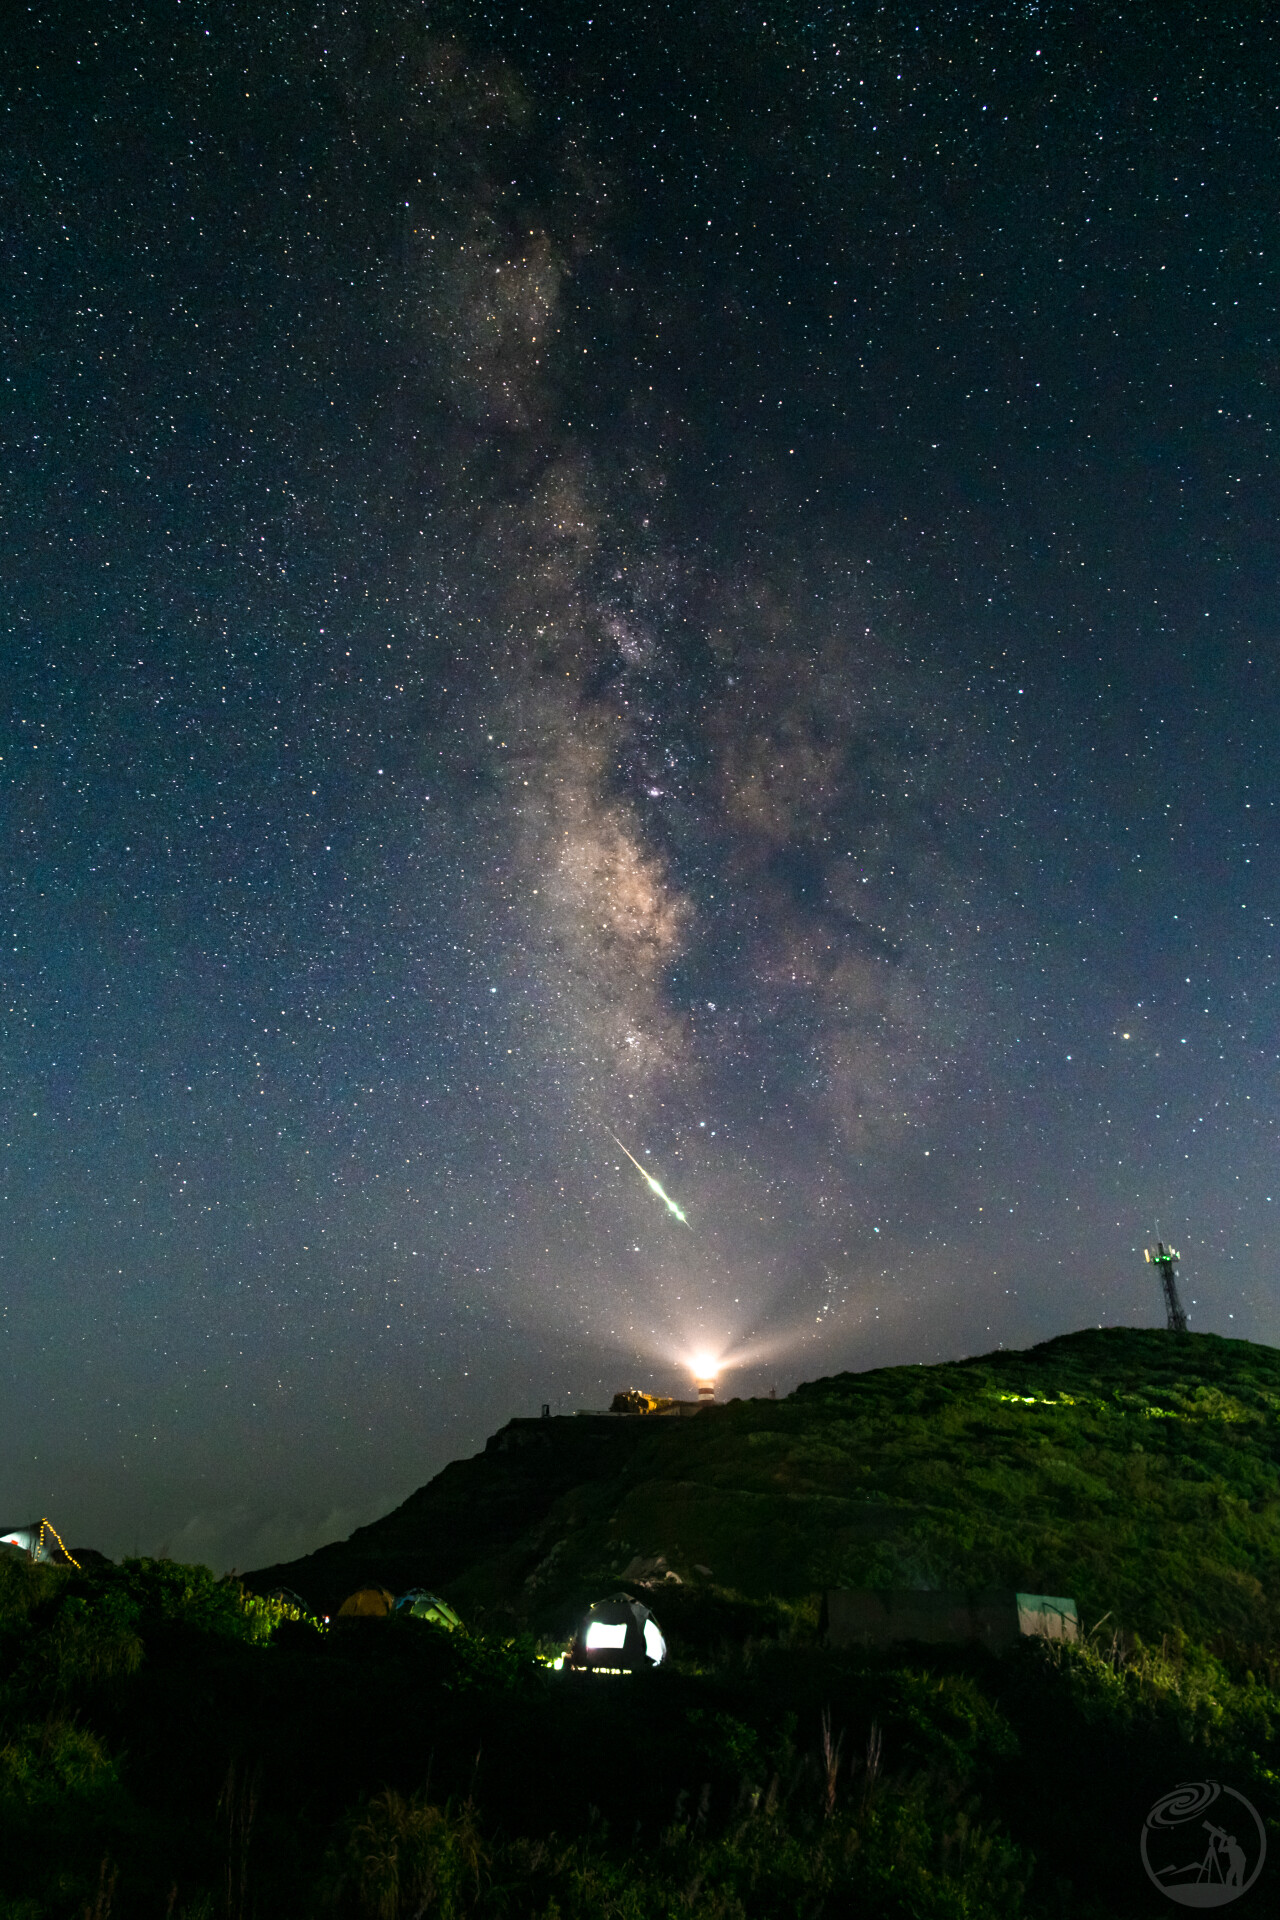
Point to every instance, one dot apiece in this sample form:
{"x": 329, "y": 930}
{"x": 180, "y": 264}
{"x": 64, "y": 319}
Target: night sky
{"x": 701, "y": 574}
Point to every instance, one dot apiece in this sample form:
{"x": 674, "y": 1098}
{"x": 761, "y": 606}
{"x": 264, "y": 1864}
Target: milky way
{"x": 702, "y": 580}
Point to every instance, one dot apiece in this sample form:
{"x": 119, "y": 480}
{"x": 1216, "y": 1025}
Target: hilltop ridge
{"x": 1134, "y": 1469}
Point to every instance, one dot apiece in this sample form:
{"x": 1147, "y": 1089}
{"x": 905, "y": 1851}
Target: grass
{"x": 388, "y": 1768}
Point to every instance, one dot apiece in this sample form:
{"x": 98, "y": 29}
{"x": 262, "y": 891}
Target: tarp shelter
{"x": 617, "y": 1635}
{"x": 367, "y": 1603}
{"x": 39, "y": 1541}
{"x": 421, "y": 1605}
{"x": 853, "y": 1617}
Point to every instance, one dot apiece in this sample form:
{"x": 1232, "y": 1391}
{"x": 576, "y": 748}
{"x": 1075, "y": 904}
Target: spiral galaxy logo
{"x": 1203, "y": 1844}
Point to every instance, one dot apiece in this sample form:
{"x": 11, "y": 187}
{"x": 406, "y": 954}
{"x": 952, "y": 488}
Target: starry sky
{"x": 698, "y": 574}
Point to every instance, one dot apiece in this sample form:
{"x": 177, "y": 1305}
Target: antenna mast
{"x": 1163, "y": 1259}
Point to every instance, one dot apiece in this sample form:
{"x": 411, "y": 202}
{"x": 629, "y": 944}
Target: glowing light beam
{"x": 651, "y": 1183}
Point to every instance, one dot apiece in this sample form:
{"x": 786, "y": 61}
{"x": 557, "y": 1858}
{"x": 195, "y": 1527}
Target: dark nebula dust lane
{"x": 692, "y": 580}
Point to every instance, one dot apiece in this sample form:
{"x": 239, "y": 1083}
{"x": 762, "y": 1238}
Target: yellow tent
{"x": 367, "y": 1603}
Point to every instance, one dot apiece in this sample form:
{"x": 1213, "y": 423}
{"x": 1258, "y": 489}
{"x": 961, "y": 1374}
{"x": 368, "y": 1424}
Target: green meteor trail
{"x": 653, "y": 1186}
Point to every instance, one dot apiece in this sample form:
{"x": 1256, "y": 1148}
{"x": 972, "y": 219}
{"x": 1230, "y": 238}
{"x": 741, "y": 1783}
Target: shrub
{"x": 401, "y": 1857}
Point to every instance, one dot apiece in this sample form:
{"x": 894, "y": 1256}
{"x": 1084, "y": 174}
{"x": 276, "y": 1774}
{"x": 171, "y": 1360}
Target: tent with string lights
{"x": 39, "y": 1541}
{"x": 617, "y": 1635}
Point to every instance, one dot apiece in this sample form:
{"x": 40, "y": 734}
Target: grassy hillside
{"x": 170, "y": 1744}
{"x": 1137, "y": 1471}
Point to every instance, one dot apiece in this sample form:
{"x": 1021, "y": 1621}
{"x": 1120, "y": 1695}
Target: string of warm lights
{"x": 47, "y": 1526}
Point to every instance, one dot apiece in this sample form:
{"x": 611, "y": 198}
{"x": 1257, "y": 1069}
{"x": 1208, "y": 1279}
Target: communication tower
{"x": 1163, "y": 1259}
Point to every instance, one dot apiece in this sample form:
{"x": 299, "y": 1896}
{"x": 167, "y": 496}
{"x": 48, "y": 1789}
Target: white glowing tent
{"x": 618, "y": 1635}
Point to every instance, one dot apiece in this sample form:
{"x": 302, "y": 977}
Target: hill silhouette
{"x": 1135, "y": 1470}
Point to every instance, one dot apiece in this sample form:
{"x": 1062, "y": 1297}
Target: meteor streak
{"x": 652, "y": 1184}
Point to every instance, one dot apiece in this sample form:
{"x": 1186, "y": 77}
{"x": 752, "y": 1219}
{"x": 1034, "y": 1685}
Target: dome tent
{"x": 617, "y": 1635}
{"x": 367, "y": 1603}
{"x": 421, "y": 1605}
